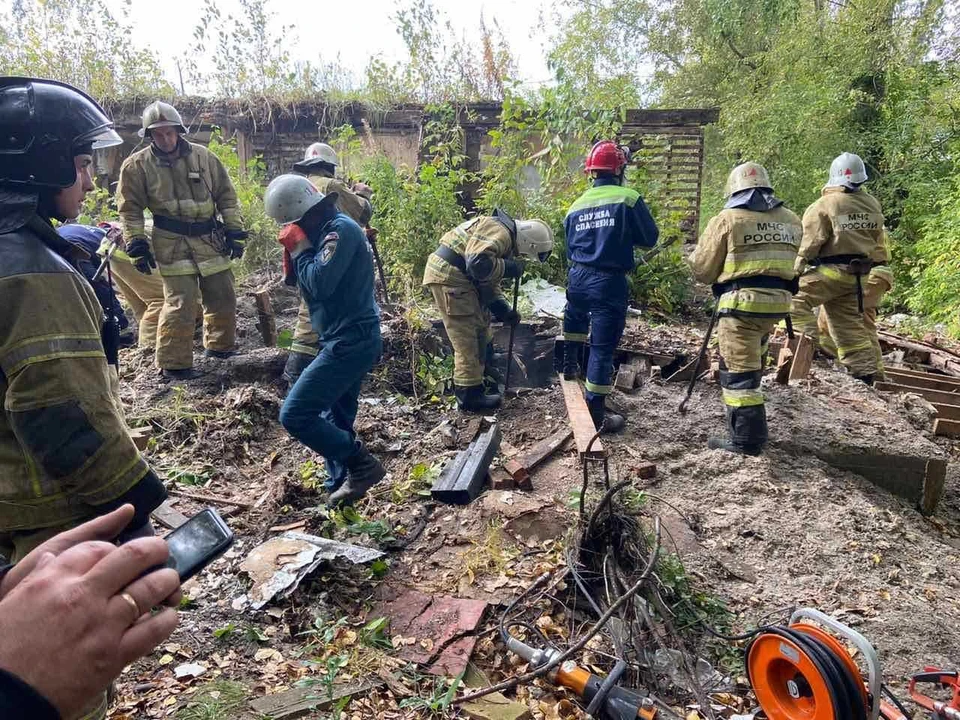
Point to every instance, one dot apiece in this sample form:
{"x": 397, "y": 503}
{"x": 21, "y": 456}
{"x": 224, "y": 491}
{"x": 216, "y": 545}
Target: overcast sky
{"x": 352, "y": 30}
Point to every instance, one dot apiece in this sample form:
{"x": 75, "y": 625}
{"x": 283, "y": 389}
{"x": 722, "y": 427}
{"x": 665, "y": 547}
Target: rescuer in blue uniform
{"x": 334, "y": 266}
{"x": 602, "y": 228}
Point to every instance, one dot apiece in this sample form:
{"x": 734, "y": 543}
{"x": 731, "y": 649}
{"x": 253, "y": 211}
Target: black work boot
{"x": 719, "y": 443}
{"x": 489, "y": 368}
{"x": 748, "y": 431}
{"x": 296, "y": 363}
{"x": 866, "y": 379}
{"x": 604, "y": 420}
{"x": 472, "y": 399}
{"x": 219, "y": 354}
{"x": 571, "y": 359}
{"x": 363, "y": 472}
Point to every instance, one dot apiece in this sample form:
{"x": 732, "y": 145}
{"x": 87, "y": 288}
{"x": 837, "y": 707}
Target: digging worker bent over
{"x": 845, "y": 247}
{"x": 747, "y": 253}
{"x": 184, "y": 185}
{"x": 602, "y": 228}
{"x": 334, "y": 266}
{"x": 463, "y": 275}
{"x": 319, "y": 165}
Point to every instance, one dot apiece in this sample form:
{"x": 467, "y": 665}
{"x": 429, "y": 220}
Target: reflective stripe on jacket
{"x": 844, "y": 223}
{"x": 471, "y": 239}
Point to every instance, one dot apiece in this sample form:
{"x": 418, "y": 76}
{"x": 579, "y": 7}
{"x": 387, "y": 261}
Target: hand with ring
{"x": 72, "y": 624}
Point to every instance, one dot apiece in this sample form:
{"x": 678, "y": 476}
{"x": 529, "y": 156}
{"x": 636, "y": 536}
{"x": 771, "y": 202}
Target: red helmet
{"x": 606, "y": 155}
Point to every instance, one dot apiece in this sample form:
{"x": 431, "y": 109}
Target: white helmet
{"x": 160, "y": 114}
{"x": 746, "y": 176}
{"x": 289, "y": 197}
{"x": 322, "y": 152}
{"x": 534, "y": 239}
{"x": 847, "y": 170}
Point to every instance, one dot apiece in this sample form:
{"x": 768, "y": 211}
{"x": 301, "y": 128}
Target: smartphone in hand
{"x": 197, "y": 543}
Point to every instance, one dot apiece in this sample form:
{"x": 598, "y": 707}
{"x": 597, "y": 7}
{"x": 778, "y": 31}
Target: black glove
{"x": 503, "y": 312}
{"x": 513, "y": 268}
{"x": 139, "y": 250}
{"x": 236, "y": 243}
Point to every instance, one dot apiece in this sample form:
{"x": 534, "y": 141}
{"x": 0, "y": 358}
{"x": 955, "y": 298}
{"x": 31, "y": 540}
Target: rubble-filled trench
{"x": 757, "y": 535}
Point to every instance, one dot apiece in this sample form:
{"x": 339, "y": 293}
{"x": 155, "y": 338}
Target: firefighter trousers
{"x": 181, "y": 296}
{"x": 596, "y": 304}
{"x": 144, "y": 294}
{"x": 468, "y": 327}
{"x": 877, "y": 284}
{"x": 321, "y": 407}
{"x": 835, "y": 291}
{"x": 743, "y": 346}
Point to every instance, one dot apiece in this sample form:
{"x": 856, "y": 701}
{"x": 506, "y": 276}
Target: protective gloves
{"x": 139, "y": 250}
{"x": 236, "y": 243}
{"x": 502, "y": 311}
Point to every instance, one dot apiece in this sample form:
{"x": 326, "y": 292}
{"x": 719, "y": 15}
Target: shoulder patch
{"x": 328, "y": 246}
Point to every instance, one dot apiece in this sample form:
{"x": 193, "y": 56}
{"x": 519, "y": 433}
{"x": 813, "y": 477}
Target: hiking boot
{"x": 363, "y": 472}
{"x": 866, "y": 379}
{"x": 719, "y": 443}
{"x": 296, "y": 363}
{"x": 571, "y": 359}
{"x": 179, "y": 374}
{"x": 219, "y": 354}
{"x": 472, "y": 399}
{"x": 606, "y": 421}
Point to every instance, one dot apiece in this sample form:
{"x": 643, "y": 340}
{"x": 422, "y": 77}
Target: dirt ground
{"x": 758, "y": 534}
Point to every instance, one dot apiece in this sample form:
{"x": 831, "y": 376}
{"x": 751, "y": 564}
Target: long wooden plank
{"x": 917, "y": 479}
{"x": 946, "y": 428}
{"x": 580, "y": 421}
{"x": 921, "y": 373}
{"x": 934, "y": 396}
{"x": 947, "y": 412}
{"x": 521, "y": 467}
{"x": 926, "y": 380}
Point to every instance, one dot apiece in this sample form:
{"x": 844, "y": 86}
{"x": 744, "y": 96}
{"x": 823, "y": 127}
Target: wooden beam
{"x": 917, "y": 479}
{"x": 521, "y": 467}
{"x": 923, "y": 380}
{"x": 803, "y": 347}
{"x": 580, "y": 421}
{"x": 266, "y": 323}
{"x": 934, "y": 396}
{"x": 784, "y": 361}
{"x": 947, "y": 412}
{"x": 946, "y": 428}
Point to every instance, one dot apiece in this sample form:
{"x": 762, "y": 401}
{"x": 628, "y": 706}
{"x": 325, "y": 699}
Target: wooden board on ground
{"x": 923, "y": 380}
{"x": 947, "y": 412}
{"x": 802, "y": 346}
{"x": 168, "y": 516}
{"x": 934, "y": 396}
{"x": 580, "y": 421}
{"x": 521, "y": 467}
{"x": 946, "y": 428}
{"x": 266, "y": 323}
{"x": 917, "y": 479}
{"x": 784, "y": 361}
{"x": 937, "y": 357}
{"x": 301, "y": 702}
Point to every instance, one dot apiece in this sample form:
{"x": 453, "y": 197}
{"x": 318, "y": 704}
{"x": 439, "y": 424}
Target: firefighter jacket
{"x": 65, "y": 453}
{"x": 335, "y": 275}
{"x": 749, "y": 257}
{"x": 844, "y": 223}
{"x": 348, "y": 202}
{"x": 483, "y": 244}
{"x": 191, "y": 185}
{"x": 604, "y": 225}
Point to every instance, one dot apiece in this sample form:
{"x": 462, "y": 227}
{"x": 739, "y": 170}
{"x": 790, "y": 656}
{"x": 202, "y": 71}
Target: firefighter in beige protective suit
{"x": 184, "y": 186}
{"x": 747, "y": 253}
{"x": 319, "y": 165}
{"x": 844, "y": 246}
{"x": 463, "y": 274}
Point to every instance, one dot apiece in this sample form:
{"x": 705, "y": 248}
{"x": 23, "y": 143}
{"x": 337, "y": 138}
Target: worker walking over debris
{"x": 319, "y": 165}
{"x": 334, "y": 267}
{"x": 845, "y": 249}
{"x": 747, "y": 253}
{"x": 463, "y": 274}
{"x": 603, "y": 226}
{"x": 184, "y": 186}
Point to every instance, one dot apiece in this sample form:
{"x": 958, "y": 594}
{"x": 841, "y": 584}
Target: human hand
{"x": 72, "y": 625}
{"x": 105, "y": 528}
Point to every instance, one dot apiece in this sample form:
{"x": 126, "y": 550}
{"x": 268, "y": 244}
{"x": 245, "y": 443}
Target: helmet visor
{"x": 102, "y": 137}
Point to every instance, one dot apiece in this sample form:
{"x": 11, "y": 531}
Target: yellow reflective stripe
{"x": 575, "y": 337}
{"x": 100, "y": 712}
{"x": 214, "y": 266}
{"x": 742, "y": 398}
{"x": 884, "y": 272}
{"x": 834, "y": 273}
{"x": 735, "y": 301}
{"x": 178, "y": 267}
{"x": 49, "y": 347}
{"x": 844, "y": 350}
{"x": 304, "y": 349}
{"x": 598, "y": 389}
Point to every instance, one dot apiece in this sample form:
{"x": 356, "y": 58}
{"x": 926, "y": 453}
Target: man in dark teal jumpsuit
{"x": 334, "y": 267}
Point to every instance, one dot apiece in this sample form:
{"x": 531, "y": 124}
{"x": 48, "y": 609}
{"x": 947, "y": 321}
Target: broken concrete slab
{"x": 462, "y": 479}
{"x": 436, "y": 632}
{"x": 279, "y": 565}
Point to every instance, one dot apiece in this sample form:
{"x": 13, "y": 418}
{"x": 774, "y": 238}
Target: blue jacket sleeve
{"x": 321, "y": 269}
{"x": 645, "y": 232}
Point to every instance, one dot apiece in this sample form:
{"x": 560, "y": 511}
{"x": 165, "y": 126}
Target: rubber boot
{"x": 489, "y": 368}
{"x": 571, "y": 359}
{"x": 866, "y": 379}
{"x": 605, "y": 421}
{"x": 748, "y": 431}
{"x": 472, "y": 399}
{"x": 363, "y": 472}
{"x": 719, "y": 443}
